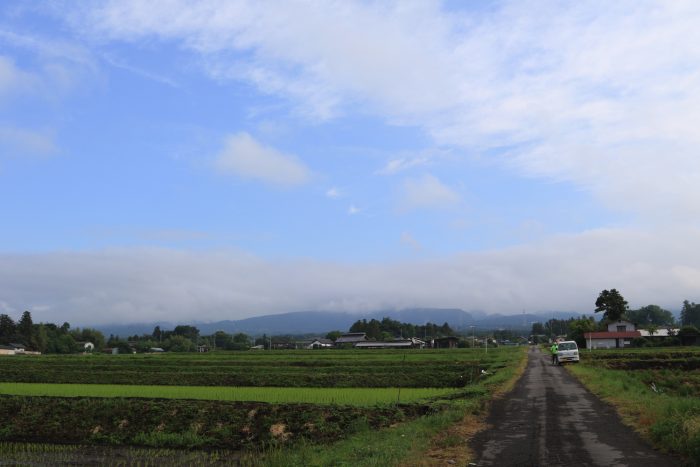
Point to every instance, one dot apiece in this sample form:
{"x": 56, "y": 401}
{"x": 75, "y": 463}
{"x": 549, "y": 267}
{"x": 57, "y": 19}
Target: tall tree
{"x": 7, "y": 329}
{"x": 239, "y": 341}
{"x": 651, "y": 314}
{"x": 190, "y": 332}
{"x": 578, "y": 328}
{"x": 41, "y": 338}
{"x": 25, "y": 328}
{"x": 690, "y": 313}
{"x": 612, "y": 303}
{"x": 537, "y": 329}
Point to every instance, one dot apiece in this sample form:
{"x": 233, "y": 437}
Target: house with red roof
{"x": 618, "y": 336}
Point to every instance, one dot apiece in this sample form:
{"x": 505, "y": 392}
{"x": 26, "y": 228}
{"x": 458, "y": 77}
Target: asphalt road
{"x": 550, "y": 419}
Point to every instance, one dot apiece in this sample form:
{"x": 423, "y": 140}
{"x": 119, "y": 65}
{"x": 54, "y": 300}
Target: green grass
{"x": 393, "y": 446}
{"x": 59, "y": 454}
{"x": 273, "y": 395}
{"x": 669, "y": 416}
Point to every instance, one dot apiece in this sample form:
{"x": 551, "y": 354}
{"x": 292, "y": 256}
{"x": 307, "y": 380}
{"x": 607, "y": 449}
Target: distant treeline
{"x": 53, "y": 339}
{"x": 46, "y": 337}
{"x": 389, "y": 329}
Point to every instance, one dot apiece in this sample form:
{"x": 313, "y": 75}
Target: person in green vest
{"x": 554, "y": 349}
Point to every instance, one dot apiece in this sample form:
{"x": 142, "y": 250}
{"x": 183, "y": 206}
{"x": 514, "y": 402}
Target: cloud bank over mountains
{"x": 131, "y": 285}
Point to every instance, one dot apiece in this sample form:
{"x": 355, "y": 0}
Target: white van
{"x": 567, "y": 351}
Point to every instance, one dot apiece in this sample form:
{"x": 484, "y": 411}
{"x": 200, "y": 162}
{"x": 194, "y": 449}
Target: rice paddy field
{"x": 253, "y": 407}
{"x": 656, "y": 391}
{"x": 270, "y": 395}
{"x": 303, "y": 368}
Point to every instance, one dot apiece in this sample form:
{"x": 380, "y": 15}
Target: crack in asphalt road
{"x": 550, "y": 419}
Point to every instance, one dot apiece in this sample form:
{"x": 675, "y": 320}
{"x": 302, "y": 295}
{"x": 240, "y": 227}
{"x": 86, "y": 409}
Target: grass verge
{"x": 671, "y": 423}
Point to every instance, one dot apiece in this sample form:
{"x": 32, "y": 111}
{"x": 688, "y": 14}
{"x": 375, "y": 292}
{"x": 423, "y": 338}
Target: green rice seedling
{"x": 336, "y": 368}
{"x": 340, "y": 396}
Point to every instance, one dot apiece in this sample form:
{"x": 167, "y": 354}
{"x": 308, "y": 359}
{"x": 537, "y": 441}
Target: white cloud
{"x": 602, "y": 95}
{"x": 353, "y": 210}
{"x": 57, "y": 66}
{"x": 122, "y": 64}
{"x": 410, "y": 241}
{"x": 19, "y": 141}
{"x": 333, "y": 193}
{"x": 426, "y": 192}
{"x": 13, "y": 79}
{"x": 140, "y": 285}
{"x": 395, "y": 166}
{"x": 245, "y": 157}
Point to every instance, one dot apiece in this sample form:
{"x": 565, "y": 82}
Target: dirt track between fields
{"x": 550, "y": 419}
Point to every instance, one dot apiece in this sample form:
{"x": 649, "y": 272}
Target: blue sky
{"x": 227, "y": 159}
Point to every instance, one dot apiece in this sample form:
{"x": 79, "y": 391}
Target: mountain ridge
{"x": 321, "y": 322}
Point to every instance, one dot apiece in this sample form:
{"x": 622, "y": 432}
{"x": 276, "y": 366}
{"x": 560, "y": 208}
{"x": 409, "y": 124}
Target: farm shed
{"x": 417, "y": 342}
{"x": 318, "y": 344}
{"x": 351, "y": 338}
{"x": 6, "y": 350}
{"x": 445, "y": 342}
{"x": 19, "y": 348}
{"x": 384, "y": 345}
{"x": 610, "y": 340}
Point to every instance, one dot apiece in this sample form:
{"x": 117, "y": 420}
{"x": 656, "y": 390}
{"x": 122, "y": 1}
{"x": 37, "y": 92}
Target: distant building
{"x": 397, "y": 344}
{"x": 351, "y": 338}
{"x": 319, "y": 343}
{"x": 445, "y": 342}
{"x": 621, "y": 326}
{"x": 661, "y": 332}
{"x": 19, "y": 348}
{"x": 7, "y": 350}
{"x": 618, "y": 335}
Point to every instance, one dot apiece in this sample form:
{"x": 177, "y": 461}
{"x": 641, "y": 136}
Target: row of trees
{"x": 53, "y": 339}
{"x": 182, "y": 338}
{"x": 615, "y": 307}
{"x": 388, "y": 329}
{"x": 50, "y": 338}
{"x": 46, "y": 337}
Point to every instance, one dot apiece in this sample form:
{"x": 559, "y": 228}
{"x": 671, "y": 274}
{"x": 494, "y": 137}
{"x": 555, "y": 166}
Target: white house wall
{"x": 603, "y": 343}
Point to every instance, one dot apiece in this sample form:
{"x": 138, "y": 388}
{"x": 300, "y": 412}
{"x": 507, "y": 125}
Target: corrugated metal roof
{"x": 385, "y": 344}
{"x": 612, "y": 335}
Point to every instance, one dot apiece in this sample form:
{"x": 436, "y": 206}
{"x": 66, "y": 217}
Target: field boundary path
{"x": 550, "y": 419}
